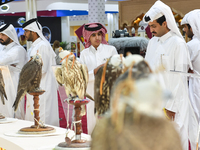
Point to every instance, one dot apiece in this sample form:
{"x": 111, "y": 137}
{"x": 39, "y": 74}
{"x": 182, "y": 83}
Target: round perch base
{"x": 75, "y": 144}
{"x": 36, "y": 130}
{"x": 78, "y": 142}
{"x": 2, "y": 117}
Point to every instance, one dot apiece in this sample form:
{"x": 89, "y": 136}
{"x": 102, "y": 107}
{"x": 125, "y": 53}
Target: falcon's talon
{"x": 76, "y": 99}
{"x": 67, "y": 99}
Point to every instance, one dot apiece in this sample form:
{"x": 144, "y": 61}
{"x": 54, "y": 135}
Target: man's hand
{"x": 97, "y": 68}
{"x": 190, "y": 71}
{"x": 170, "y": 114}
{"x": 13, "y": 65}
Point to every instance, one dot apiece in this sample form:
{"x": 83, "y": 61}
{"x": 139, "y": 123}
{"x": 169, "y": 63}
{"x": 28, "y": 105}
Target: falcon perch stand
{"x": 37, "y": 128}
{"x": 78, "y": 142}
{"x": 2, "y": 117}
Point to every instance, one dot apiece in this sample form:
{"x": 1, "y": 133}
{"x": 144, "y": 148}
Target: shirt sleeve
{"x": 11, "y": 57}
{"x": 91, "y": 72}
{"x": 181, "y": 63}
{"x": 44, "y": 51}
{"x": 181, "y": 58}
{"x": 114, "y": 51}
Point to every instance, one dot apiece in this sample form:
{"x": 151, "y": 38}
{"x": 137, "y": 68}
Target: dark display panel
{"x": 51, "y": 26}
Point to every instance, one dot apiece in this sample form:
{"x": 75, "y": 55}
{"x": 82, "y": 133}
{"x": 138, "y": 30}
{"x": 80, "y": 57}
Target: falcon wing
{"x": 102, "y": 101}
{"x": 97, "y": 81}
{"x": 59, "y": 77}
{"x": 84, "y": 71}
{"x": 2, "y": 88}
{"x": 27, "y": 74}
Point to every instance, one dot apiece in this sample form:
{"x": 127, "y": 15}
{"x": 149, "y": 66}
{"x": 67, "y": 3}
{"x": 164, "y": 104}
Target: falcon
{"x": 135, "y": 89}
{"x": 104, "y": 79}
{"x": 2, "y": 88}
{"x": 135, "y": 119}
{"x": 29, "y": 79}
{"x": 74, "y": 76}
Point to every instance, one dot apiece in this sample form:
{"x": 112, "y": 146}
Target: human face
{"x": 157, "y": 29}
{"x": 4, "y": 39}
{"x": 96, "y": 39}
{"x": 28, "y": 35}
{"x": 188, "y": 31}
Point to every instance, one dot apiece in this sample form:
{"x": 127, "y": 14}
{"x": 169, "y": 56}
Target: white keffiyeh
{"x": 193, "y": 19}
{"x": 159, "y": 9}
{"x": 10, "y": 32}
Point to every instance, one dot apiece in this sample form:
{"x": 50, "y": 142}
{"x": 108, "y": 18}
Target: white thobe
{"x": 49, "y": 100}
{"x": 194, "y": 83}
{"x": 171, "y": 52}
{"x": 92, "y": 58}
{"x": 16, "y": 55}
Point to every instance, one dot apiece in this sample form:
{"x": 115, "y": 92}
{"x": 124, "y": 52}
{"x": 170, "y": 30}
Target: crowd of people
{"x": 167, "y": 48}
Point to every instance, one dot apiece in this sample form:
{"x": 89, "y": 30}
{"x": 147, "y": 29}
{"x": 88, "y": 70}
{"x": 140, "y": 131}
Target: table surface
{"x": 33, "y": 142}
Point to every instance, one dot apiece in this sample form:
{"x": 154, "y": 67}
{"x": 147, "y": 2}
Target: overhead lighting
{"x": 49, "y": 10}
{"x": 74, "y": 15}
{"x": 13, "y": 12}
{"x": 70, "y": 10}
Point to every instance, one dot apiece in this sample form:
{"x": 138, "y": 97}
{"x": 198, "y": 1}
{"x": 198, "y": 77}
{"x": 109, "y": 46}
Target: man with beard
{"x": 12, "y": 55}
{"x": 167, "y": 49}
{"x": 49, "y": 100}
{"x": 191, "y": 22}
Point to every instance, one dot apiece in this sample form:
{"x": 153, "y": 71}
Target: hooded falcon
{"x": 2, "y": 88}
{"x": 104, "y": 79}
{"x": 135, "y": 120}
{"x": 30, "y": 77}
{"x": 73, "y": 75}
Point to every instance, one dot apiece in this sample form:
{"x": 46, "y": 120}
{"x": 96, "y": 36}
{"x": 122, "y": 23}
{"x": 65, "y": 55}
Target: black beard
{"x": 5, "y": 42}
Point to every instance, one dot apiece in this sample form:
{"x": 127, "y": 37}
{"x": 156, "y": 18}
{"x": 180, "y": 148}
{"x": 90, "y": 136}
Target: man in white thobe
{"x": 49, "y": 100}
{"x": 12, "y": 55}
{"x": 94, "y": 56}
{"x": 191, "y": 24}
{"x": 168, "y": 49}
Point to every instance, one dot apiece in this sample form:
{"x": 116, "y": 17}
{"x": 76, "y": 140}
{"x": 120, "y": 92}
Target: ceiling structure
{"x": 5, "y": 1}
{"x": 57, "y": 8}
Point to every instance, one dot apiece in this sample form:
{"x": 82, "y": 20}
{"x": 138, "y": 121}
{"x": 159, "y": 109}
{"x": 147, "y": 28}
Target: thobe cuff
{"x": 171, "y": 106}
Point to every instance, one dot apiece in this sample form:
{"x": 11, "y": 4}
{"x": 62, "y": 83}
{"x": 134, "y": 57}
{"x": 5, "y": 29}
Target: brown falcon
{"x": 73, "y": 75}
{"x": 2, "y": 88}
{"x": 104, "y": 79}
{"x": 29, "y": 79}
